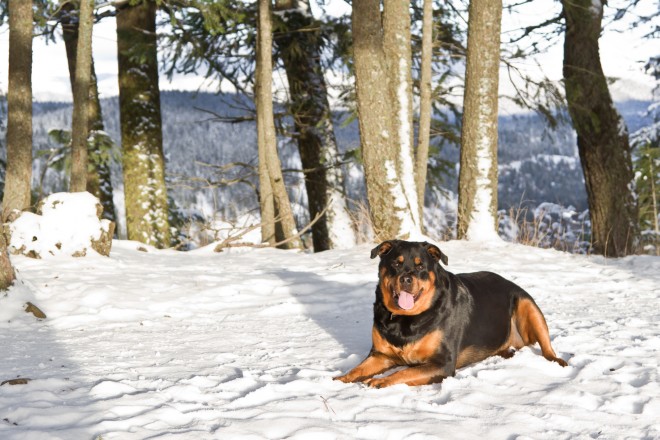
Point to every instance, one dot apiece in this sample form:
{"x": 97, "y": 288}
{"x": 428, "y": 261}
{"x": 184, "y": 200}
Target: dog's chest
{"x": 415, "y": 352}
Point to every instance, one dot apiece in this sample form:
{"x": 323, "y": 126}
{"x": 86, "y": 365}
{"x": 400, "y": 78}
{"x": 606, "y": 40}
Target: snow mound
{"x": 65, "y": 224}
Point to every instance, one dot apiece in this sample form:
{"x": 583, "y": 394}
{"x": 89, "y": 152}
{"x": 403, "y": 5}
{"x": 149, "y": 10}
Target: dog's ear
{"x": 382, "y": 249}
{"x": 436, "y": 253}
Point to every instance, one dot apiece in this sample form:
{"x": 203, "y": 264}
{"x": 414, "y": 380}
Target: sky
{"x": 622, "y": 54}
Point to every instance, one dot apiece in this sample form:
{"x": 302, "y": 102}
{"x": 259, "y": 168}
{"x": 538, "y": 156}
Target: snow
{"x": 341, "y": 232}
{"x": 244, "y": 343}
{"x": 482, "y": 217}
{"x": 246, "y": 229}
{"x": 67, "y": 225}
{"x": 402, "y": 209}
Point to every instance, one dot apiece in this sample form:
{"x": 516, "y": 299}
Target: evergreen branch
{"x": 529, "y": 29}
{"x": 221, "y": 118}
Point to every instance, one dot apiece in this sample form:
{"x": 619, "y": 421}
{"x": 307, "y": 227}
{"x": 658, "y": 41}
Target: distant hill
{"x": 537, "y": 164}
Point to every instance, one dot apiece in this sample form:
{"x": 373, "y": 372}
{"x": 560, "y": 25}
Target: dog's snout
{"x": 406, "y": 279}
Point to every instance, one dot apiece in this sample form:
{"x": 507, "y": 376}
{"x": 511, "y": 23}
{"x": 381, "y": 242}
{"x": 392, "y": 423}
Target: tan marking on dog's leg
{"x": 374, "y": 364}
{"x": 413, "y": 376}
{"x": 532, "y": 328}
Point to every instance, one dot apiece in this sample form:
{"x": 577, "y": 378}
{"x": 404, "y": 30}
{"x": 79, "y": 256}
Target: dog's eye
{"x": 419, "y": 267}
{"x": 396, "y": 264}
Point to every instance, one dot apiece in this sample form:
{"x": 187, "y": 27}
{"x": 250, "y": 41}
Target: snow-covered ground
{"x": 244, "y": 344}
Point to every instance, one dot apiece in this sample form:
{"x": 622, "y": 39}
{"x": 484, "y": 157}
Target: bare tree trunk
{"x": 654, "y": 200}
{"x": 266, "y": 202}
{"x": 266, "y": 125}
{"x": 141, "y": 126}
{"x": 99, "y": 177}
{"x": 19, "y": 109}
{"x": 398, "y": 58}
{"x": 99, "y": 180}
{"x": 425, "y": 107}
{"x": 300, "y": 51}
{"x": 477, "y": 185}
{"x": 389, "y": 208}
{"x": 7, "y": 274}
{"x": 81, "y": 87}
{"x": 602, "y": 135}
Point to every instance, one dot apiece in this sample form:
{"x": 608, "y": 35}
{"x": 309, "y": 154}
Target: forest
{"x": 215, "y": 261}
{"x": 536, "y": 165}
{"x": 386, "y": 124}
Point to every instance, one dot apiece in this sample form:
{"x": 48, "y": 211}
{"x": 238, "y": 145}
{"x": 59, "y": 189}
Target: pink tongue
{"x": 406, "y": 300}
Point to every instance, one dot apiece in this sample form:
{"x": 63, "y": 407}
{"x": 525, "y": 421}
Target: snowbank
{"x": 65, "y": 224}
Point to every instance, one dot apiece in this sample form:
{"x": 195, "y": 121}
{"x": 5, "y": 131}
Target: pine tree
{"x": 7, "y": 274}
{"x": 266, "y": 130}
{"x": 98, "y": 171}
{"x": 425, "y": 106}
{"x": 141, "y": 126}
{"x": 477, "y": 186}
{"x": 81, "y": 88}
{"x": 299, "y": 43}
{"x": 602, "y": 135}
{"x": 19, "y": 109}
{"x": 647, "y": 183}
{"x": 384, "y": 98}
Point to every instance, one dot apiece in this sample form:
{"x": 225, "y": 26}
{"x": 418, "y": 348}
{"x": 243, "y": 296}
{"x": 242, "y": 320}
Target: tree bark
{"x": 299, "y": 47}
{"x": 81, "y": 88}
{"x": 389, "y": 208}
{"x": 266, "y": 201}
{"x": 477, "y": 184}
{"x": 267, "y": 142}
{"x": 99, "y": 180}
{"x": 602, "y": 136}
{"x": 425, "y": 107}
{"x": 99, "y": 177}
{"x": 141, "y": 126}
{"x": 7, "y": 274}
{"x": 18, "y": 175}
{"x": 398, "y": 58}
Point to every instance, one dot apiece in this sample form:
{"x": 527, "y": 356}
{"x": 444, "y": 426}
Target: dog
{"x": 434, "y": 322}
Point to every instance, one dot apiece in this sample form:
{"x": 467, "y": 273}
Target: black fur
{"x": 471, "y": 309}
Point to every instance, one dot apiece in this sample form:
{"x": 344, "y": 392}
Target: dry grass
{"x": 541, "y": 231}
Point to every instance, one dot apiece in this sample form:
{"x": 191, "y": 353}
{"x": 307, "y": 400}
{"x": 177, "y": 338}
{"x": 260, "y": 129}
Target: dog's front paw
{"x": 343, "y": 378}
{"x": 381, "y": 382}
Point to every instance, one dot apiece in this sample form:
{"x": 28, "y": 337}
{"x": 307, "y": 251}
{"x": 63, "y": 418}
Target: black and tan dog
{"x": 434, "y": 321}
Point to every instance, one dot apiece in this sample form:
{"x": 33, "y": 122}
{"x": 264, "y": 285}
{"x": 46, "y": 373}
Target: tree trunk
{"x": 389, "y": 208}
{"x": 18, "y": 176}
{"x": 99, "y": 180}
{"x": 7, "y": 274}
{"x": 266, "y": 126}
{"x": 477, "y": 185}
{"x": 602, "y": 135}
{"x": 266, "y": 202}
{"x": 81, "y": 88}
{"x": 141, "y": 127}
{"x": 300, "y": 51}
{"x": 425, "y": 107}
{"x": 398, "y": 58}
{"x": 99, "y": 177}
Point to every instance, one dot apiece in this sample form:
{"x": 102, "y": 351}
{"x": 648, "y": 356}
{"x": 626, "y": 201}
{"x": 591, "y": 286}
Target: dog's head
{"x": 408, "y": 275}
